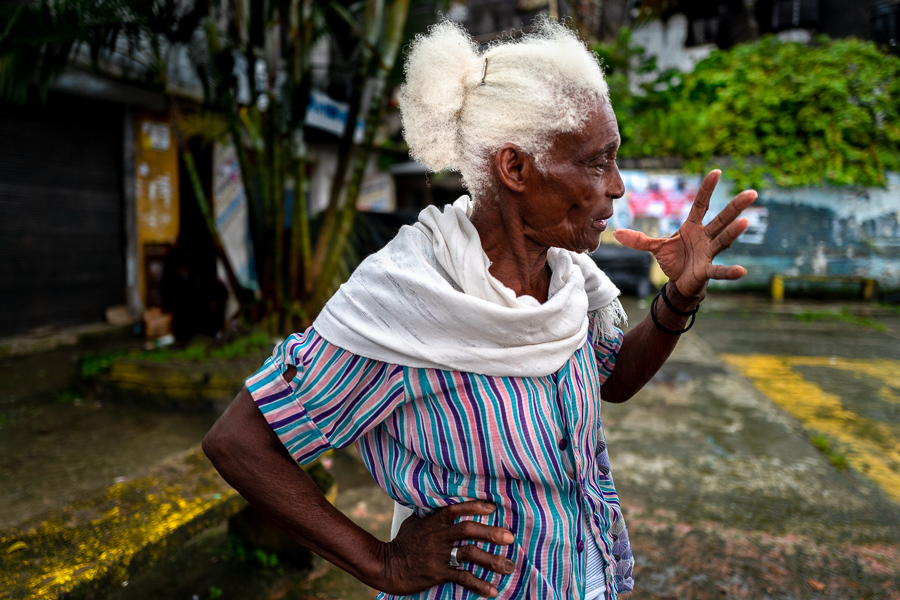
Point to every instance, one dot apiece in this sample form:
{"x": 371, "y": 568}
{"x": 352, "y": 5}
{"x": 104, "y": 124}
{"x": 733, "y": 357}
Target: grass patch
{"x": 90, "y": 366}
{"x": 894, "y": 308}
{"x": 201, "y": 350}
{"x": 71, "y": 396}
{"x": 845, "y": 316}
{"x": 837, "y": 459}
{"x": 240, "y": 347}
{"x": 237, "y": 553}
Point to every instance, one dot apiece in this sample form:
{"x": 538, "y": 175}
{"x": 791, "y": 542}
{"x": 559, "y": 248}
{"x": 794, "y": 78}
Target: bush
{"x": 786, "y": 113}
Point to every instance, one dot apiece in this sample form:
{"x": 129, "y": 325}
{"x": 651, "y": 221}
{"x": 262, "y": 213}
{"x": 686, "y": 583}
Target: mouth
{"x": 599, "y": 224}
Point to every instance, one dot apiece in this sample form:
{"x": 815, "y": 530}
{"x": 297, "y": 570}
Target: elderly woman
{"x": 467, "y": 359}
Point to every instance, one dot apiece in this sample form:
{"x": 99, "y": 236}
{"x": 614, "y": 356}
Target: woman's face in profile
{"x": 569, "y": 205}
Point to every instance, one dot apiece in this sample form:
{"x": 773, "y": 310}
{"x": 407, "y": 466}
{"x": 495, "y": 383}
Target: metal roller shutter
{"x": 62, "y": 242}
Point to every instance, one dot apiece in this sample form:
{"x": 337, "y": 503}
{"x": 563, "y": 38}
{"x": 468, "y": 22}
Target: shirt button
{"x": 563, "y": 444}
{"x": 580, "y": 546}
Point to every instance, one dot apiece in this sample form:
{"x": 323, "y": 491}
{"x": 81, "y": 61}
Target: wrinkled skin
{"x": 419, "y": 555}
{"x": 686, "y": 257}
{"x": 564, "y": 205}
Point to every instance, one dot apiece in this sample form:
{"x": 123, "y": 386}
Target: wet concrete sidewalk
{"x": 726, "y": 493}
{"x": 724, "y": 490}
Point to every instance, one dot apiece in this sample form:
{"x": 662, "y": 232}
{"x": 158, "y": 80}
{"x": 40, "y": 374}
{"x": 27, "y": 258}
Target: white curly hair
{"x": 535, "y": 87}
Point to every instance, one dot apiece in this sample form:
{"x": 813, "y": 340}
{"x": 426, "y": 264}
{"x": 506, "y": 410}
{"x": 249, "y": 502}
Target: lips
{"x": 599, "y": 224}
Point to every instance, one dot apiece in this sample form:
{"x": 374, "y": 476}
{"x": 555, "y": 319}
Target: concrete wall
{"x": 824, "y": 231}
{"x": 665, "y": 41}
{"x": 814, "y": 231}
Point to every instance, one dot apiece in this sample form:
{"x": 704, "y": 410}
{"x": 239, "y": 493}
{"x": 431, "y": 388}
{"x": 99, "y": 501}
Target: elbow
{"x": 223, "y": 443}
{"x": 616, "y": 398}
{"x": 616, "y": 395}
{"x": 220, "y": 447}
{"x": 214, "y": 447}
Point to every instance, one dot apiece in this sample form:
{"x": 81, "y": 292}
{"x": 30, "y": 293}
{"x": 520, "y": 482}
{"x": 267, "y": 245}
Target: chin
{"x": 588, "y": 242}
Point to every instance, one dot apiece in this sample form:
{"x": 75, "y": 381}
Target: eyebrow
{"x": 606, "y": 149}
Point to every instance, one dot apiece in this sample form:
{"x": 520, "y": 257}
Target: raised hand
{"x": 686, "y": 257}
{"x": 419, "y": 557}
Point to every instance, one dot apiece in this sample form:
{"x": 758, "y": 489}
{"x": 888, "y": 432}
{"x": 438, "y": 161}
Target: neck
{"x": 516, "y": 261}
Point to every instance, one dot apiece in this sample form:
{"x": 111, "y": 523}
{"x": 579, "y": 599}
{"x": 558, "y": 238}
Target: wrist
{"x": 374, "y": 570}
{"x": 683, "y": 302}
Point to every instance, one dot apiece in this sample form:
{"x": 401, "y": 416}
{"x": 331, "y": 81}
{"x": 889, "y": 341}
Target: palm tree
{"x": 273, "y": 39}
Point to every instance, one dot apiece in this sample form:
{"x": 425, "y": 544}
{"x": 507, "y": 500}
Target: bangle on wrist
{"x": 671, "y": 306}
{"x": 659, "y": 325}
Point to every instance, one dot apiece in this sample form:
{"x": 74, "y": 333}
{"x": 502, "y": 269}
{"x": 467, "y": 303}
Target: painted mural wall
{"x": 814, "y": 231}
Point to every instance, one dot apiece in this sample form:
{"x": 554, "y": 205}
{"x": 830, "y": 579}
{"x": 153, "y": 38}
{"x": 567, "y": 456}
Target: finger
{"x": 473, "y": 584}
{"x": 725, "y": 272}
{"x": 470, "y": 530}
{"x": 491, "y": 562}
{"x": 452, "y": 512}
{"x": 728, "y": 236}
{"x": 637, "y": 240}
{"x": 701, "y": 200}
{"x": 730, "y": 212}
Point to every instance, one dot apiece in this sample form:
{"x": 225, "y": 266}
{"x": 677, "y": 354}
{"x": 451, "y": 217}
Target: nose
{"x": 616, "y": 187}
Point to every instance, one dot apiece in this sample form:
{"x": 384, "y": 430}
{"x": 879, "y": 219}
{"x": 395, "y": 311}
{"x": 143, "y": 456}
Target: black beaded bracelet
{"x": 656, "y": 322}
{"x": 671, "y": 306}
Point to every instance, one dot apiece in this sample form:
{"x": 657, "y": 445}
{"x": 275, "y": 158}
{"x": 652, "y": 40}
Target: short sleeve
{"x": 606, "y": 348}
{"x": 335, "y": 397}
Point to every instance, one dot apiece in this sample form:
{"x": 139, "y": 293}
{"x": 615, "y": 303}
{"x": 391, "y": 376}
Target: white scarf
{"x": 428, "y": 300}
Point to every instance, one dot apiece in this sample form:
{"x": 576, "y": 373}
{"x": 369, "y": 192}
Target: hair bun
{"x": 440, "y": 68}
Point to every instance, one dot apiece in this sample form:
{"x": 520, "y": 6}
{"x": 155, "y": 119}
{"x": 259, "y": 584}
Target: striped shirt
{"x": 533, "y": 446}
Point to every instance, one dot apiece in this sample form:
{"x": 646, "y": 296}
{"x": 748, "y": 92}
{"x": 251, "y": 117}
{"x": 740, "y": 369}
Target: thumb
{"x": 636, "y": 240}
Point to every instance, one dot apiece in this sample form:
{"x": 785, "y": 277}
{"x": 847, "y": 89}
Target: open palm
{"x": 686, "y": 257}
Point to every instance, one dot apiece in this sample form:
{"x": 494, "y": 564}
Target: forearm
{"x": 249, "y": 456}
{"x": 646, "y": 347}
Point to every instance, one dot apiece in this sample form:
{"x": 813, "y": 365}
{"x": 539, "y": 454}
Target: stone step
{"x": 192, "y": 386}
{"x": 91, "y": 547}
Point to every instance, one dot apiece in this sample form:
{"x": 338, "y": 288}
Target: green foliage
{"x": 782, "y": 112}
{"x": 39, "y": 37}
{"x": 201, "y": 350}
{"x": 70, "y": 396}
{"x": 237, "y": 553}
{"x": 244, "y": 346}
{"x": 837, "y": 459}
{"x": 214, "y": 592}
{"x": 299, "y": 268}
{"x": 91, "y": 366}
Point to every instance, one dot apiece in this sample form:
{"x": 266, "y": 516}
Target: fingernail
{"x": 510, "y": 567}
{"x": 494, "y": 591}
{"x": 490, "y": 505}
{"x": 508, "y": 538}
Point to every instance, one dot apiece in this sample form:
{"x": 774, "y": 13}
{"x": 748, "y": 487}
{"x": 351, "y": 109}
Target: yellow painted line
{"x": 887, "y": 371}
{"x": 889, "y": 395}
{"x": 871, "y": 447}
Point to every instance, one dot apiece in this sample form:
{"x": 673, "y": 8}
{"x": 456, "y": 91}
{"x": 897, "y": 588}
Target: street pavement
{"x": 760, "y": 463}
{"x": 727, "y": 494}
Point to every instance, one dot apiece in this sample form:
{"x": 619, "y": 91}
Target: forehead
{"x": 599, "y": 132}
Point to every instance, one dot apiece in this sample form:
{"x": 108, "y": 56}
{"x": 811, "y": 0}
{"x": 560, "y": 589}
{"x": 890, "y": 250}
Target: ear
{"x": 514, "y": 167}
